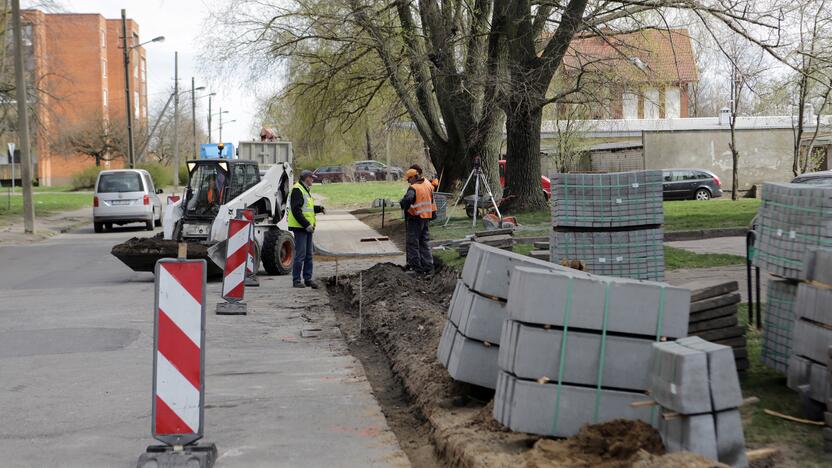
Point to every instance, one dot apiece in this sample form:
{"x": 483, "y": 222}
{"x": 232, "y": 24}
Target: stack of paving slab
{"x": 713, "y": 316}
{"x": 792, "y": 219}
{"x": 808, "y": 372}
{"x": 827, "y": 416}
{"x": 778, "y": 324}
{"x": 498, "y": 238}
{"x": 696, "y": 386}
{"x": 471, "y": 338}
{"x": 576, "y": 348}
{"x": 609, "y": 222}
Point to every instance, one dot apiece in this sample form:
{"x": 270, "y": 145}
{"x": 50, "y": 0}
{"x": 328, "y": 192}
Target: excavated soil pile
{"x": 405, "y": 316}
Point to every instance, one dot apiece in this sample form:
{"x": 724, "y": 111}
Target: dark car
{"x": 329, "y": 174}
{"x": 814, "y": 178}
{"x": 691, "y": 184}
{"x": 375, "y": 170}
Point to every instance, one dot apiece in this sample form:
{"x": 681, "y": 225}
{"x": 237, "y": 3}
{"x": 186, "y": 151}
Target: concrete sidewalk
{"x": 282, "y": 389}
{"x": 45, "y": 226}
{"x": 717, "y": 245}
{"x": 342, "y": 234}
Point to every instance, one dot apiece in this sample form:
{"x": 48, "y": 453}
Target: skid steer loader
{"x": 216, "y": 189}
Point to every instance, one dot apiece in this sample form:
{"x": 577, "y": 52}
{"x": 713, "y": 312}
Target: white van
{"x": 125, "y": 196}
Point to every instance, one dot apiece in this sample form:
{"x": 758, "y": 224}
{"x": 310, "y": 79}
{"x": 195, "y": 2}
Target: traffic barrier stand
{"x": 251, "y": 264}
{"x": 236, "y": 255}
{"x": 178, "y": 400}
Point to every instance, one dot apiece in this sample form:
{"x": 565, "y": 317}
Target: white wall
{"x": 651, "y": 103}
{"x": 629, "y": 103}
{"x": 672, "y": 102}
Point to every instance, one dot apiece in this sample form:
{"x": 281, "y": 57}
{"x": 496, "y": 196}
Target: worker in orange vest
{"x": 419, "y": 209}
{"x": 434, "y": 182}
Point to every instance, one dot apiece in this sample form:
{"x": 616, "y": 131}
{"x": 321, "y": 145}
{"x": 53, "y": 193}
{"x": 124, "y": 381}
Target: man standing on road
{"x": 302, "y": 211}
{"x": 419, "y": 209}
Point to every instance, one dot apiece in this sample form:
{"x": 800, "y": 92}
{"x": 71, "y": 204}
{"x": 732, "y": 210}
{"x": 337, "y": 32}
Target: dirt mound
{"x": 141, "y": 253}
{"x": 405, "y": 316}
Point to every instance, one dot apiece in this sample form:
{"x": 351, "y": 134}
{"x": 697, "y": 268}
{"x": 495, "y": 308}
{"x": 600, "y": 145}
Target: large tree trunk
{"x": 523, "y": 159}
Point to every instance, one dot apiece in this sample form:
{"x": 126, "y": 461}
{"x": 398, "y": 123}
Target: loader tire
{"x": 278, "y": 252}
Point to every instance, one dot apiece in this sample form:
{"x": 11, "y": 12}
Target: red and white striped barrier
{"x": 179, "y": 351}
{"x": 236, "y": 255}
{"x": 248, "y": 215}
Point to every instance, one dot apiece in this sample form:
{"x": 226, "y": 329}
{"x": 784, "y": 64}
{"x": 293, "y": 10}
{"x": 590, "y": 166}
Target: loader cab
{"x": 214, "y": 182}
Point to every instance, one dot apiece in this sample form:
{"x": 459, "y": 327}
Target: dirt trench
{"x": 441, "y": 422}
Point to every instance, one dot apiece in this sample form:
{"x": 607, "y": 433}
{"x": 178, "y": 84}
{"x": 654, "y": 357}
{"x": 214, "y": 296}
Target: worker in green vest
{"x": 302, "y": 211}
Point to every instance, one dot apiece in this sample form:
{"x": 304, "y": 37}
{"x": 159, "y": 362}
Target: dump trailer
{"x": 216, "y": 190}
{"x": 265, "y": 153}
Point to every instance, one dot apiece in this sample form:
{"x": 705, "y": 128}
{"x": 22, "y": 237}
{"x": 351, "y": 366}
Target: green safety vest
{"x": 308, "y": 208}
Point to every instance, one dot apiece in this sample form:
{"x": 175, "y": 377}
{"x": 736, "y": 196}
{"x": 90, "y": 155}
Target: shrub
{"x": 160, "y": 174}
{"x": 183, "y": 175}
{"x": 86, "y": 178}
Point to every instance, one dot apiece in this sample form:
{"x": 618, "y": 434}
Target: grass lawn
{"x": 359, "y": 194}
{"x": 802, "y": 444}
{"x": 45, "y": 204}
{"x": 712, "y": 214}
{"x": 42, "y": 189}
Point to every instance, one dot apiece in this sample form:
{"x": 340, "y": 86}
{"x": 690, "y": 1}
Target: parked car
{"x": 691, "y": 184}
{"x": 125, "y": 196}
{"x": 545, "y": 183}
{"x": 329, "y": 174}
{"x": 814, "y": 178}
{"x": 377, "y": 169}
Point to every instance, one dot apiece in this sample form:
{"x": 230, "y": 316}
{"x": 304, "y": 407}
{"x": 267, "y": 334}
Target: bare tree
{"x": 95, "y": 138}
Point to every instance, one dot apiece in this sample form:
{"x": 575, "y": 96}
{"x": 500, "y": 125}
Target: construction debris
{"x": 713, "y": 316}
{"x": 697, "y": 381}
{"x": 497, "y": 238}
{"x": 611, "y": 223}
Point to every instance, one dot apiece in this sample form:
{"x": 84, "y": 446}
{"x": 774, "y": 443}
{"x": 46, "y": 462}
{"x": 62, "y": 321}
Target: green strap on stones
{"x": 567, "y": 313}
{"x": 659, "y": 327}
{"x": 600, "y": 378}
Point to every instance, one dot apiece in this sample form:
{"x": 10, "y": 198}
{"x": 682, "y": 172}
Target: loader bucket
{"x": 142, "y": 253}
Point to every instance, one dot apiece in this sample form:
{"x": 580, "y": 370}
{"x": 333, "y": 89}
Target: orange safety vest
{"x": 423, "y": 207}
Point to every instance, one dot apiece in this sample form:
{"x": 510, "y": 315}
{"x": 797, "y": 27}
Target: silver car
{"x": 125, "y": 196}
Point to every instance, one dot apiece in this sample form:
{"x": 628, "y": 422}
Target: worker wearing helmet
{"x": 434, "y": 182}
{"x": 302, "y": 224}
{"x": 419, "y": 208}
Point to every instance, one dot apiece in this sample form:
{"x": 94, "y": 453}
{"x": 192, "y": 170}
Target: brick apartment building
{"x": 77, "y": 66}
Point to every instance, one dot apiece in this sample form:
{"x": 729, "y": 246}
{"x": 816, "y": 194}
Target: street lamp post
{"x": 193, "y": 116}
{"x": 22, "y": 124}
{"x": 176, "y": 119}
{"x": 126, "y": 50}
{"x": 230, "y": 121}
{"x": 209, "y": 119}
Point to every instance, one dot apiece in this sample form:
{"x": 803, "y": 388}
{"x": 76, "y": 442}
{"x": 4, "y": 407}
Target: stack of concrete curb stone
{"x": 696, "y": 381}
{"x": 497, "y": 238}
{"x": 778, "y": 325}
{"x": 792, "y": 219}
{"x": 471, "y": 337}
{"x": 576, "y": 348}
{"x": 713, "y": 316}
{"x": 609, "y": 222}
{"x": 808, "y": 373}
{"x": 827, "y": 416}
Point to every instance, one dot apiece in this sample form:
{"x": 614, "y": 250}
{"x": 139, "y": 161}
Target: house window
{"x": 629, "y": 106}
{"x": 651, "y": 103}
{"x": 672, "y": 102}
{"x": 103, "y": 40}
{"x": 105, "y": 97}
{"x": 104, "y": 67}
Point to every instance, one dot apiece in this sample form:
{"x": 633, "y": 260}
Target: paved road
{"x": 75, "y": 368}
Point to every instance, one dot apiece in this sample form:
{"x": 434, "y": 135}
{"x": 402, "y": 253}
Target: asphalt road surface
{"x": 76, "y": 368}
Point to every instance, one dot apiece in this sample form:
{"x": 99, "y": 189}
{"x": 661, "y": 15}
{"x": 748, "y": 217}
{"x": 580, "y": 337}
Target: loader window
{"x": 206, "y": 190}
{"x": 252, "y": 177}
{"x": 238, "y": 181}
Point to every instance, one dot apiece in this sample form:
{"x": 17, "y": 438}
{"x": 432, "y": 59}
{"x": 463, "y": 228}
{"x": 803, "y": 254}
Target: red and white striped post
{"x": 251, "y": 274}
{"x": 234, "y": 274}
{"x": 178, "y": 400}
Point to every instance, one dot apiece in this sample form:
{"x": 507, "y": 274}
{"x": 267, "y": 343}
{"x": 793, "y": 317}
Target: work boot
{"x": 298, "y": 285}
{"x": 313, "y": 284}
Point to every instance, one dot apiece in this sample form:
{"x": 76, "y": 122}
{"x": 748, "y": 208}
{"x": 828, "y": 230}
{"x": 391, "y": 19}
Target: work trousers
{"x": 302, "y": 264}
{"x": 419, "y": 257}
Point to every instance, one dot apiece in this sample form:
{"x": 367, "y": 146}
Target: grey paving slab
{"x": 534, "y": 352}
{"x": 679, "y": 378}
{"x": 778, "y": 324}
{"x": 487, "y": 270}
{"x": 469, "y": 360}
{"x": 636, "y": 254}
{"x": 803, "y": 371}
{"x": 811, "y": 340}
{"x": 476, "y": 316}
{"x": 725, "y": 391}
{"x": 696, "y": 433}
{"x": 818, "y": 265}
{"x": 814, "y": 302}
{"x": 549, "y": 409}
{"x": 707, "y": 288}
{"x": 637, "y": 307}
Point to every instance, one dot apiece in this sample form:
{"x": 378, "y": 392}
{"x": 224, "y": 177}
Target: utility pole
{"x": 22, "y": 124}
{"x": 209, "y": 120}
{"x": 220, "y": 125}
{"x": 176, "y": 119}
{"x": 193, "y": 116}
{"x": 126, "y": 51}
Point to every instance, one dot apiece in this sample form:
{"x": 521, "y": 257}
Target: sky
{"x": 181, "y": 22}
